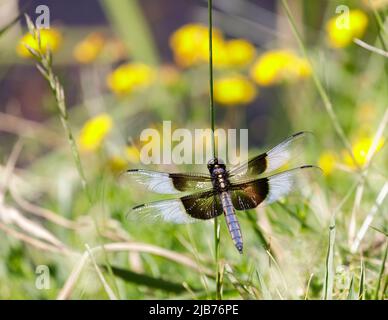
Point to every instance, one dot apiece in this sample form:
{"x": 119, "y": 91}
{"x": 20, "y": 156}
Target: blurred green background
{"x": 128, "y": 65}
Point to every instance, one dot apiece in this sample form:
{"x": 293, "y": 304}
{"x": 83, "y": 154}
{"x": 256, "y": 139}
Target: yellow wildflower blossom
{"x": 327, "y": 162}
{"x": 276, "y": 66}
{"x": 341, "y": 30}
{"x": 129, "y": 77}
{"x": 239, "y": 52}
{"x": 190, "y": 45}
{"x": 49, "y": 39}
{"x": 234, "y": 90}
{"x": 360, "y": 149}
{"x": 88, "y": 49}
{"x": 94, "y": 131}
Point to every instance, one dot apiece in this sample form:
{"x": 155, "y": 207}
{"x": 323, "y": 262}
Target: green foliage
{"x": 293, "y": 249}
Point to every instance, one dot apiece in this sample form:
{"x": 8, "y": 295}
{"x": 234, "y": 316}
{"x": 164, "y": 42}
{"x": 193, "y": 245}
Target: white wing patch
{"x": 280, "y": 185}
{"x": 281, "y": 154}
{"x": 165, "y": 211}
{"x": 154, "y": 181}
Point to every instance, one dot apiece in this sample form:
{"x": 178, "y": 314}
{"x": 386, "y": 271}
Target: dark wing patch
{"x": 250, "y": 194}
{"x": 198, "y": 206}
{"x": 170, "y": 183}
{"x": 271, "y": 160}
{"x": 204, "y": 205}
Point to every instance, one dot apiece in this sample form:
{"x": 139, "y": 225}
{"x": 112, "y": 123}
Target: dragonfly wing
{"x": 271, "y": 160}
{"x": 191, "y": 208}
{"x": 250, "y": 194}
{"x": 170, "y": 183}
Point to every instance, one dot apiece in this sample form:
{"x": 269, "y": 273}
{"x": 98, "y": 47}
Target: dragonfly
{"x": 222, "y": 192}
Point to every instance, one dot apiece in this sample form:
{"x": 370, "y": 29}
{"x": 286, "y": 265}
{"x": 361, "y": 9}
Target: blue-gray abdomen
{"x": 231, "y": 220}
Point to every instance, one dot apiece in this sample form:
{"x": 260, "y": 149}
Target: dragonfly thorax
{"x": 219, "y": 174}
{"x": 214, "y": 164}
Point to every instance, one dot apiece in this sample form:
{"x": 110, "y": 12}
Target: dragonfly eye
{"x": 212, "y": 163}
{"x": 215, "y": 163}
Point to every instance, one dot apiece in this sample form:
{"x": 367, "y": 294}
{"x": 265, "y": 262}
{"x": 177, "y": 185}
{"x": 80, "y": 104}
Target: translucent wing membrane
{"x": 198, "y": 206}
{"x": 170, "y": 183}
{"x": 252, "y": 193}
{"x": 269, "y": 161}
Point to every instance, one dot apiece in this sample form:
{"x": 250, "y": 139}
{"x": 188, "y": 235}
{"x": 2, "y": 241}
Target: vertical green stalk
{"x": 361, "y": 289}
{"x": 381, "y": 32}
{"x": 212, "y": 122}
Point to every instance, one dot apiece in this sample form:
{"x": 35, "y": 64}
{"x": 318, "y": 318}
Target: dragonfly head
{"x": 215, "y": 163}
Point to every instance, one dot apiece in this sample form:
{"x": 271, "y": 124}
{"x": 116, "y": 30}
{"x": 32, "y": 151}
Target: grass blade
{"x": 15, "y": 20}
{"x": 329, "y": 274}
{"x": 351, "y": 294}
{"x": 381, "y": 273}
{"x": 361, "y": 290}
{"x": 264, "y": 289}
{"x": 237, "y": 284}
{"x": 263, "y": 241}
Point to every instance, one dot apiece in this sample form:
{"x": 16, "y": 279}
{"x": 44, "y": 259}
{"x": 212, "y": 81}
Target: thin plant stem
{"x": 382, "y": 32}
{"x": 329, "y": 264}
{"x": 212, "y": 112}
{"x": 381, "y": 273}
{"x": 379, "y": 21}
{"x": 371, "y": 48}
{"x": 212, "y": 123}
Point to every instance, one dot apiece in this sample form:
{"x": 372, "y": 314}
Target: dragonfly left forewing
{"x": 250, "y": 194}
{"x": 170, "y": 183}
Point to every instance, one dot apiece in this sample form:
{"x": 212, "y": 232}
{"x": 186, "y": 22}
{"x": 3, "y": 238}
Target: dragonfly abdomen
{"x": 231, "y": 220}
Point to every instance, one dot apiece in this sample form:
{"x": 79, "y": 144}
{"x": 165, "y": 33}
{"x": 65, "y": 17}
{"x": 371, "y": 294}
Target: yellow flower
{"x": 234, "y": 90}
{"x": 341, "y": 30}
{"x": 274, "y": 67}
{"x": 49, "y": 39}
{"x": 94, "y": 131}
{"x": 190, "y": 45}
{"x": 360, "y": 149}
{"x": 129, "y": 77}
{"x": 88, "y": 49}
{"x": 132, "y": 154}
{"x": 327, "y": 162}
{"x": 240, "y": 52}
